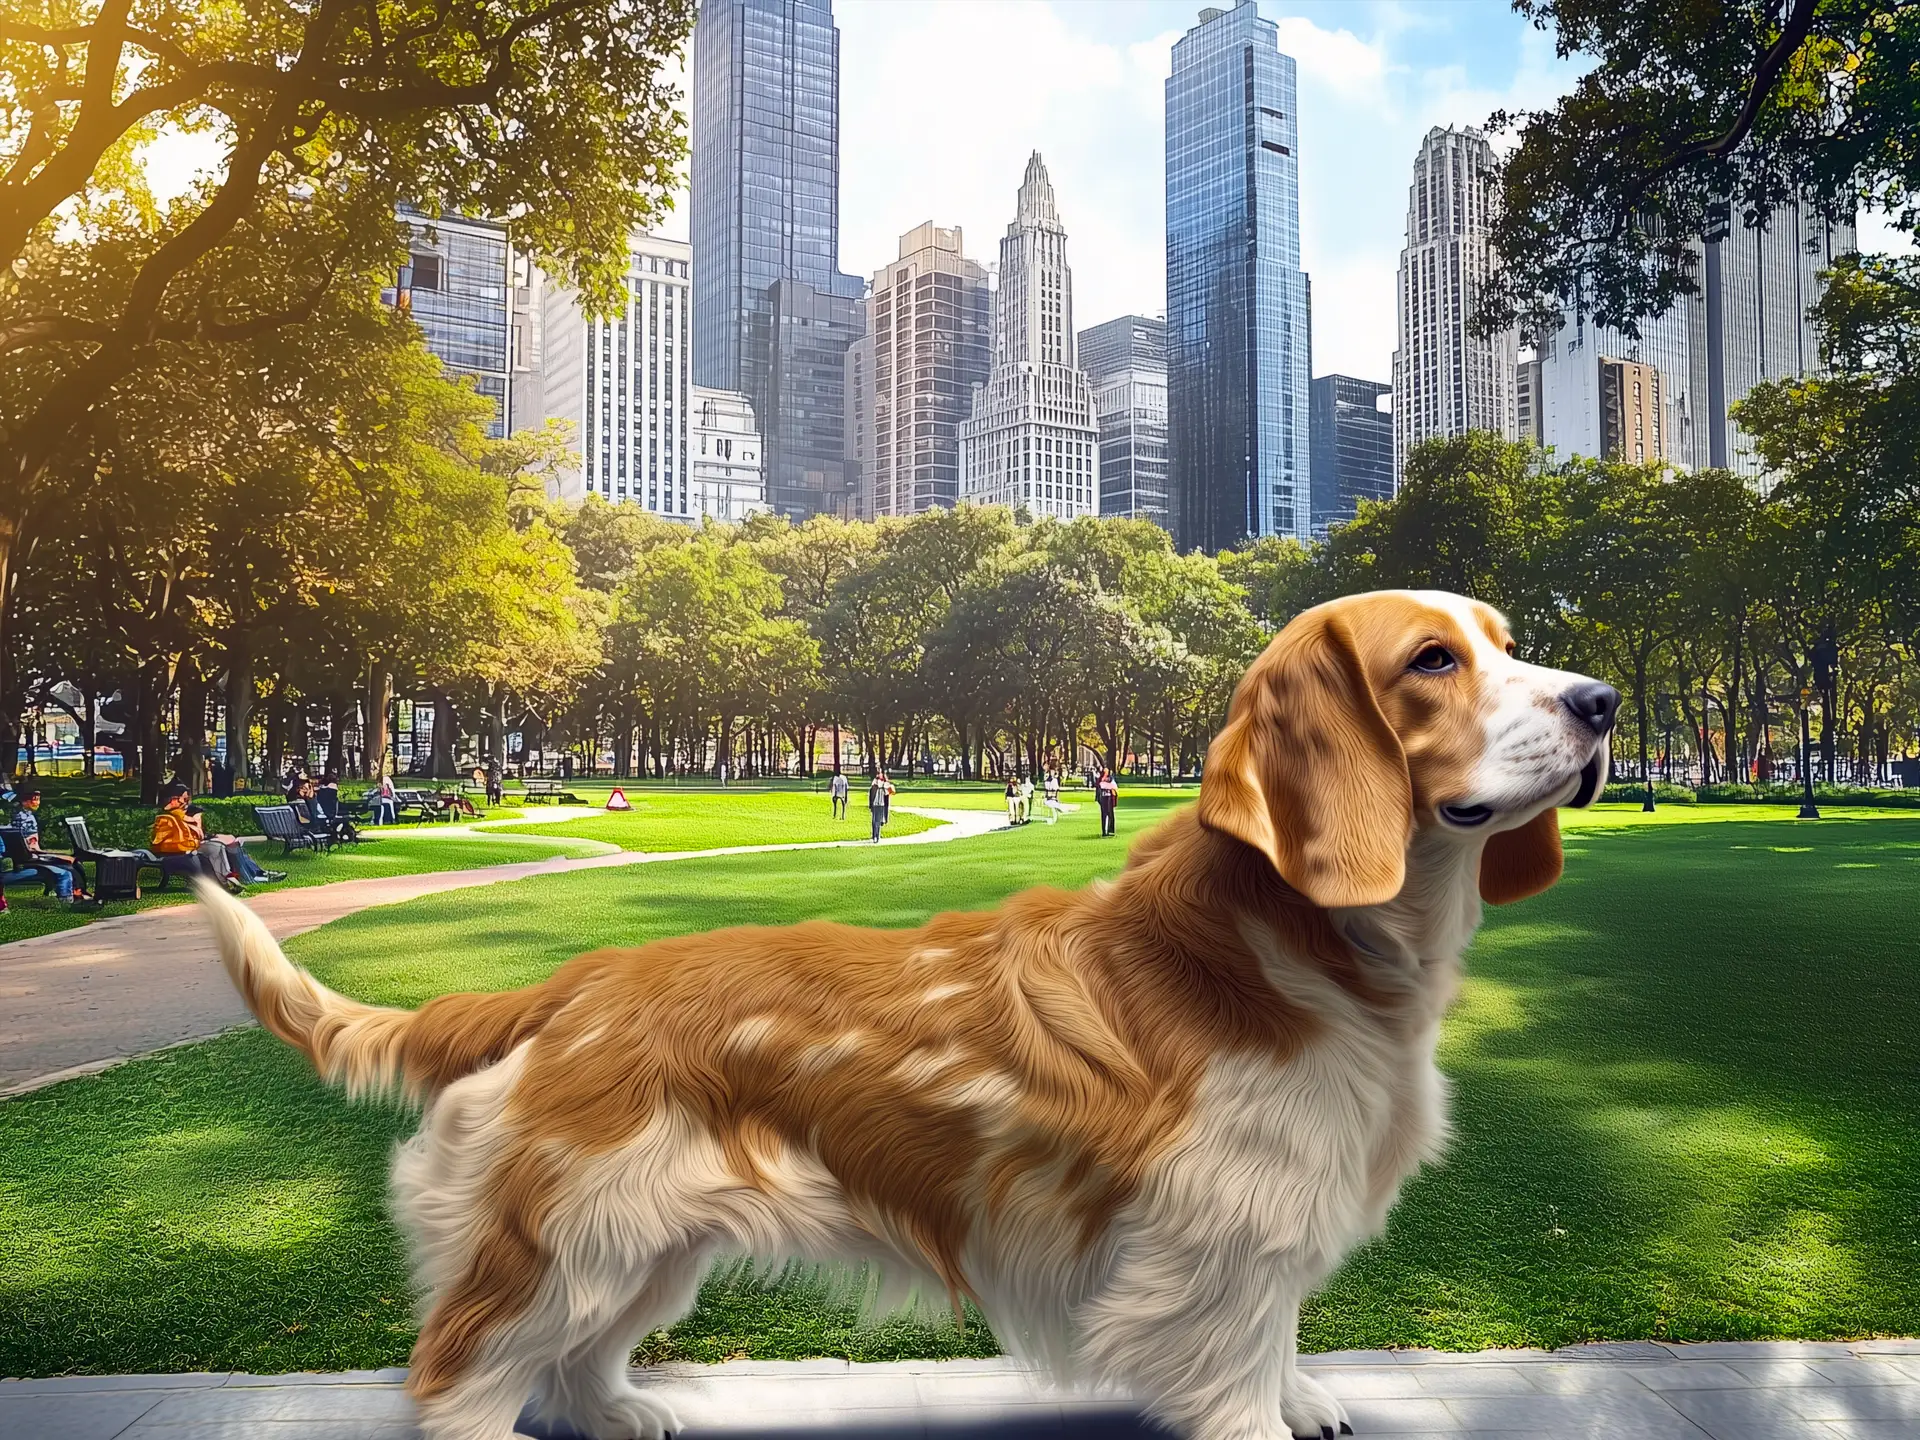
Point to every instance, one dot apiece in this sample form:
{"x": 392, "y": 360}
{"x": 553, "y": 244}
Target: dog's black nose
{"x": 1593, "y": 703}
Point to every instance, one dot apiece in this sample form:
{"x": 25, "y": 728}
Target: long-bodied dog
{"x": 1134, "y": 1123}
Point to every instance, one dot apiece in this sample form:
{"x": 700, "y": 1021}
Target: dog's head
{"x": 1372, "y": 717}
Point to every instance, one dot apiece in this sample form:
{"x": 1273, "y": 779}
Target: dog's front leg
{"x": 1308, "y": 1407}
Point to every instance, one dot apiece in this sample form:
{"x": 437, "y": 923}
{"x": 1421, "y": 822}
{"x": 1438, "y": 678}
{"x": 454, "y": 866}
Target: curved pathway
{"x": 80, "y": 1000}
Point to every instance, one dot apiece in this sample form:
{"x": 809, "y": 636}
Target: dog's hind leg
{"x": 589, "y": 1388}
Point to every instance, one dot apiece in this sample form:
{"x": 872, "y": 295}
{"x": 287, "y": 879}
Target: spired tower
{"x": 1033, "y": 442}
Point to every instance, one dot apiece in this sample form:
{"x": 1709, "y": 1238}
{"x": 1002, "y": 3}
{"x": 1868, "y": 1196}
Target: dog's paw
{"x": 1311, "y": 1412}
{"x": 629, "y": 1414}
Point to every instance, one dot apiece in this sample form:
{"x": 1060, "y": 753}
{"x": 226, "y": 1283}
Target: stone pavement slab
{"x": 77, "y": 1001}
{"x": 1869, "y": 1390}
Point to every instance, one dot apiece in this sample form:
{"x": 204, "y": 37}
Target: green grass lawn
{"x": 390, "y": 853}
{"x": 1685, "y": 1104}
{"x": 663, "y": 820}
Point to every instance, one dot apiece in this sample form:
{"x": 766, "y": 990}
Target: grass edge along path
{"x": 1683, "y": 1112}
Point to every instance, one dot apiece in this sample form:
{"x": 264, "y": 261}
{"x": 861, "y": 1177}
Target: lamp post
{"x": 1808, "y": 810}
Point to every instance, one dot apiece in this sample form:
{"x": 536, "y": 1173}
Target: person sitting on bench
{"x": 69, "y": 880}
{"x": 179, "y": 831}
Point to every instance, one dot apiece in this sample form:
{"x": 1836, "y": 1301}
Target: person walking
{"x": 1026, "y": 798}
{"x": 69, "y": 880}
{"x": 837, "y": 791}
{"x": 879, "y": 801}
{"x": 1013, "y": 802}
{"x": 496, "y": 780}
{"x": 1050, "y": 793}
{"x": 1107, "y": 793}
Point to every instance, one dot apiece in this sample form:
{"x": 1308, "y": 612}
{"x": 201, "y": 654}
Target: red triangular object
{"x": 618, "y": 800}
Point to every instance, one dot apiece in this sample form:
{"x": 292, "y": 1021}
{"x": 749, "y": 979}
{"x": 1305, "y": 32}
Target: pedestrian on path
{"x": 879, "y": 801}
{"x": 837, "y": 791}
{"x": 1026, "y": 798}
{"x": 1051, "y": 794}
{"x": 1013, "y": 802}
{"x": 69, "y": 881}
{"x": 1107, "y": 793}
{"x": 384, "y": 803}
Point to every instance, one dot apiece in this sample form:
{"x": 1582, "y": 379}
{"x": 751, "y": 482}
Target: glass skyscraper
{"x": 1126, "y": 359}
{"x": 1238, "y": 333}
{"x": 458, "y": 293}
{"x": 766, "y": 213}
{"x": 1352, "y": 445}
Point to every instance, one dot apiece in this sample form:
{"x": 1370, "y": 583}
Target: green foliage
{"x": 1621, "y": 792}
{"x": 1697, "y": 117}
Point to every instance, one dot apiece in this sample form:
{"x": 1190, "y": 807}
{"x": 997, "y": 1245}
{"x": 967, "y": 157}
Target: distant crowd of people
{"x": 1019, "y": 796}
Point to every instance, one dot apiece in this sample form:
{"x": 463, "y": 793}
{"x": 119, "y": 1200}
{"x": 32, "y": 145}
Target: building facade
{"x": 1352, "y": 441}
{"x": 1747, "y": 322}
{"x": 1527, "y": 421}
{"x": 1239, "y": 335}
{"x": 765, "y": 222}
{"x": 728, "y": 484}
{"x": 1632, "y": 412}
{"x": 929, "y": 342}
{"x": 1031, "y": 441}
{"x": 625, "y": 384}
{"x": 456, "y": 285}
{"x": 1126, "y": 363}
{"x": 1447, "y": 379}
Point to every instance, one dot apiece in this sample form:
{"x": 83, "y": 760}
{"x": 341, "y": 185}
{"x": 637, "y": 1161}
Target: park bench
{"x": 426, "y": 806}
{"x": 548, "y": 792}
{"x": 330, "y": 816}
{"x": 116, "y": 873}
{"x": 20, "y": 867}
{"x": 282, "y": 823}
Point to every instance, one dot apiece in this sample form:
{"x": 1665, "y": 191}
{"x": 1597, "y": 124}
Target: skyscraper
{"x": 929, "y": 342}
{"x": 457, "y": 291}
{"x": 1031, "y": 442}
{"x": 1238, "y": 332}
{"x": 1352, "y": 440}
{"x": 1447, "y": 379}
{"x": 624, "y": 383}
{"x": 1748, "y": 322}
{"x": 766, "y": 234}
{"x": 1126, "y": 362}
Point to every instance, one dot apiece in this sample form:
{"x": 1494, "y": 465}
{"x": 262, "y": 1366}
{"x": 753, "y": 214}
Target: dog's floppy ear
{"x": 1522, "y": 862}
{"x": 1309, "y": 773}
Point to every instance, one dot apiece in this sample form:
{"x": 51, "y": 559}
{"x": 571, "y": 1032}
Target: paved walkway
{"x": 79, "y": 1000}
{"x": 1637, "y": 1391}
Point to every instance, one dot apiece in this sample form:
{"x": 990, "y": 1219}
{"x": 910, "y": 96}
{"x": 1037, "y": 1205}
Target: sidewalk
{"x": 1869, "y": 1390}
{"x": 76, "y": 1001}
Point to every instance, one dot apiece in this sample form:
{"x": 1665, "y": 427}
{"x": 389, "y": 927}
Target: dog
{"x": 1135, "y": 1124}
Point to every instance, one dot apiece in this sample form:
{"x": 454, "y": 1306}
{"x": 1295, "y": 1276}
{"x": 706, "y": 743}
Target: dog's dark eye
{"x": 1510, "y": 648}
{"x": 1434, "y": 660}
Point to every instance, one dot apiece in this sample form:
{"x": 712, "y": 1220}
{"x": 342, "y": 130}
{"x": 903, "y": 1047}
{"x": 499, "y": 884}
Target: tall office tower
{"x": 1447, "y": 379}
{"x": 456, "y": 287}
{"x": 1126, "y": 361}
{"x": 1526, "y": 401}
{"x": 929, "y": 343}
{"x": 1747, "y": 323}
{"x": 857, "y": 427}
{"x": 727, "y": 481}
{"x": 1032, "y": 442}
{"x": 1352, "y": 440}
{"x": 1239, "y": 338}
{"x": 625, "y": 383}
{"x": 766, "y": 234}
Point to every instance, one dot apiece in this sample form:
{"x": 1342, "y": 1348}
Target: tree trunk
{"x": 192, "y": 764}
{"x": 378, "y": 741}
{"x": 445, "y": 722}
{"x": 238, "y": 694}
{"x": 156, "y": 686}
{"x": 89, "y": 731}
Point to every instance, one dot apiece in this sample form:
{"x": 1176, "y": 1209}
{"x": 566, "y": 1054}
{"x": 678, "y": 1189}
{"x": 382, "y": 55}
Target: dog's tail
{"x": 370, "y": 1049}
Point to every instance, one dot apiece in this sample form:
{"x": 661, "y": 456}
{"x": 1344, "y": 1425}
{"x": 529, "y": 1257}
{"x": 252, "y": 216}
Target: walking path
{"x": 80, "y": 1000}
{"x": 1633, "y": 1391}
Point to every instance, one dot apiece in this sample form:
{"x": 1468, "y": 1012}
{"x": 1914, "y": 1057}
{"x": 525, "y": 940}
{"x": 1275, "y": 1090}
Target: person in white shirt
{"x": 837, "y": 792}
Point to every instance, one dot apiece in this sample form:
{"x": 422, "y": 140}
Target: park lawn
{"x": 391, "y": 853}
{"x": 665, "y": 820}
{"x": 1685, "y": 1103}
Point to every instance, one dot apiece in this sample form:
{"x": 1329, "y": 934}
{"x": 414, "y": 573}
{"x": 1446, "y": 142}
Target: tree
{"x": 1696, "y": 117}
{"x": 329, "y": 115}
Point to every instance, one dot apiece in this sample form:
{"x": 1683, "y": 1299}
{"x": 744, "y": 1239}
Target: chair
{"x": 328, "y": 812}
{"x": 280, "y": 822}
{"x": 116, "y": 873}
{"x": 21, "y": 869}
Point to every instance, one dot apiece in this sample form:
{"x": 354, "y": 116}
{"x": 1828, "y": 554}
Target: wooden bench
{"x": 549, "y": 792}
{"x": 426, "y": 806}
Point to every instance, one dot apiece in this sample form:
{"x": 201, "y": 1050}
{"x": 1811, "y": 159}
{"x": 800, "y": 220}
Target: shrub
{"x": 1789, "y": 794}
{"x": 1632, "y": 791}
